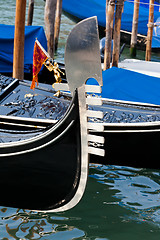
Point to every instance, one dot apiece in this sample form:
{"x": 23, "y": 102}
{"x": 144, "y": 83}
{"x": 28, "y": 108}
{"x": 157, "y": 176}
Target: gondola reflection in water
{"x": 47, "y": 170}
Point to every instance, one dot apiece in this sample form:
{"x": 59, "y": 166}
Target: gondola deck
{"x": 17, "y": 99}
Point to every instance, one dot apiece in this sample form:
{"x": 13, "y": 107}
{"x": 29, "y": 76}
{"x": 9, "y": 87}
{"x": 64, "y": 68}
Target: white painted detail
{"x": 94, "y": 101}
{"x": 93, "y": 88}
{"x": 61, "y": 87}
{"x": 95, "y": 114}
{"x": 96, "y": 126}
{"x": 95, "y": 138}
{"x": 96, "y": 151}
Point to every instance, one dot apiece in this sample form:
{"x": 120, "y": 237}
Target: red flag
{"x": 39, "y": 57}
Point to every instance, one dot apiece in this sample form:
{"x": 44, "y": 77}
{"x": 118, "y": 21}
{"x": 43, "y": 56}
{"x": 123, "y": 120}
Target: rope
{"x": 158, "y": 5}
{"x": 112, "y": 2}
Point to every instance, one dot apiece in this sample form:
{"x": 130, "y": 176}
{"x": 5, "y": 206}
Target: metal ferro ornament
{"x": 53, "y": 66}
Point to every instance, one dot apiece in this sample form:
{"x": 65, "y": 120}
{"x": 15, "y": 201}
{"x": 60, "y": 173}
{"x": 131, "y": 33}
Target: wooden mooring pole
{"x": 150, "y": 31}
{"x": 134, "y": 29}
{"x": 57, "y": 22}
{"x": 50, "y": 10}
{"x": 117, "y": 28}
{"x": 30, "y": 12}
{"x": 109, "y": 29}
{"x": 18, "y": 56}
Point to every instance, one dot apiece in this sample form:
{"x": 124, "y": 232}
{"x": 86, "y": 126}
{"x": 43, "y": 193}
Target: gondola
{"x": 79, "y": 10}
{"x": 45, "y": 166}
{"x": 131, "y": 133}
{"x": 131, "y": 129}
{"x": 6, "y": 52}
{"x": 7, "y": 43}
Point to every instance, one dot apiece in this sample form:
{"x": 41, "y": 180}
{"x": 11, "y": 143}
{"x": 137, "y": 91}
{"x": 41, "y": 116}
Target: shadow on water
{"x": 119, "y": 203}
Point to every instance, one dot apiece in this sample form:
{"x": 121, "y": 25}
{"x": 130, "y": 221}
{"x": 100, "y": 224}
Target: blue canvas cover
{"x": 122, "y": 84}
{"x": 88, "y": 8}
{"x": 7, "y": 43}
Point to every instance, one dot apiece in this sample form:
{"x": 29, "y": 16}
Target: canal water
{"x": 120, "y": 203}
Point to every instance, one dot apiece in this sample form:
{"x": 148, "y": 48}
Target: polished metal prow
{"x": 83, "y": 61}
{"x": 82, "y": 54}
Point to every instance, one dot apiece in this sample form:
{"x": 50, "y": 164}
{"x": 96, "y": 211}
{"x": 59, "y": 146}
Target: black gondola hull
{"x": 132, "y": 133}
{"x": 134, "y": 149}
{"x": 42, "y": 173}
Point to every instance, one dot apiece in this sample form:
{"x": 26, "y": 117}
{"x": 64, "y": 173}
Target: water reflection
{"x": 119, "y": 203}
{"x": 20, "y": 224}
{"x": 137, "y": 190}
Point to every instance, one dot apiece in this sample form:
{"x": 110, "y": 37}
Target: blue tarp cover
{"x": 7, "y": 43}
{"x": 88, "y": 8}
{"x": 122, "y": 84}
